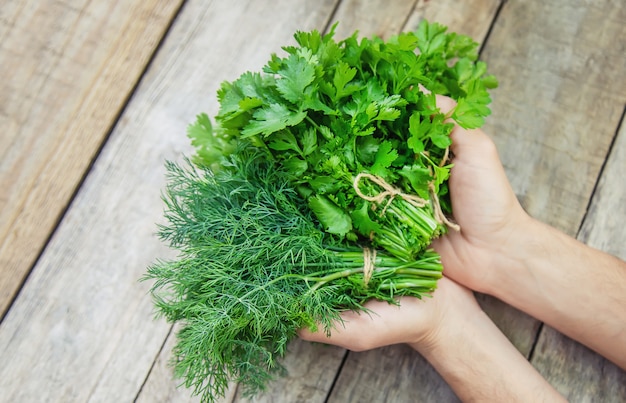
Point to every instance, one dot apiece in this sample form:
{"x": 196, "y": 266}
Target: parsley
{"x": 318, "y": 186}
{"x": 330, "y": 110}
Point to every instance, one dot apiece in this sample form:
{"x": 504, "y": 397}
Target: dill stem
{"x": 398, "y": 284}
{"x": 420, "y": 273}
{"x": 320, "y": 281}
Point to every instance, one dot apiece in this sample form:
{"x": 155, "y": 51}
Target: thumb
{"x": 466, "y": 142}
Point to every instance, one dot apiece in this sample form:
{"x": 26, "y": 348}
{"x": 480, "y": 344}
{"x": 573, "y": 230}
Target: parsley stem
{"x": 420, "y": 219}
{"x": 311, "y": 121}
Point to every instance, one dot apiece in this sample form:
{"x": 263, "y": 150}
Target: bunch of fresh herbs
{"x": 320, "y": 186}
{"x": 254, "y": 268}
{"x": 330, "y": 111}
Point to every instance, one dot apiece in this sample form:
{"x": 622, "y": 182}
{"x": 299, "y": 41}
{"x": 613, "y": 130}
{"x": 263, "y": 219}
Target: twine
{"x": 441, "y": 218}
{"x": 439, "y": 215}
{"x": 369, "y": 258}
{"x": 445, "y": 158}
{"x": 391, "y": 192}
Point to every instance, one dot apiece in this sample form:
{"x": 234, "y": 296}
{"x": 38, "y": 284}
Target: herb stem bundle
{"x": 275, "y": 229}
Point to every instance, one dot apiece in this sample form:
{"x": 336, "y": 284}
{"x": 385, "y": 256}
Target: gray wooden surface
{"x": 96, "y": 95}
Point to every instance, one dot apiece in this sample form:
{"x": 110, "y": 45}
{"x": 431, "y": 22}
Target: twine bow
{"x": 389, "y": 192}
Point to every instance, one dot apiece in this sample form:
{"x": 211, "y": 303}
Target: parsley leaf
{"x": 296, "y": 74}
{"x": 329, "y": 110}
{"x": 333, "y": 218}
{"x": 284, "y": 141}
{"x": 385, "y": 156}
{"x": 362, "y": 221}
{"x": 343, "y": 75}
{"x": 271, "y": 119}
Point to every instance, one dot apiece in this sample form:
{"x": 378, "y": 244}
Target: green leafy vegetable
{"x": 320, "y": 185}
{"x": 254, "y": 268}
{"x": 331, "y": 110}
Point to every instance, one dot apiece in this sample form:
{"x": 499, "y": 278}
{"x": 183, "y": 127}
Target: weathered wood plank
{"x": 391, "y": 374}
{"x": 372, "y": 17}
{"x": 603, "y": 227}
{"x": 67, "y": 69}
{"x": 577, "y": 372}
{"x": 82, "y": 326}
{"x": 473, "y": 18}
{"x": 562, "y": 91}
{"x": 398, "y": 373}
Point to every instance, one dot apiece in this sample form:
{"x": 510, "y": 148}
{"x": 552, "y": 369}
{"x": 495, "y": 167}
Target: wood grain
{"x": 398, "y": 373}
{"x": 577, "y": 372}
{"x": 472, "y": 18}
{"x": 562, "y": 90}
{"x": 82, "y": 327}
{"x": 68, "y": 68}
{"x": 603, "y": 227}
{"x": 391, "y": 374}
{"x": 371, "y": 17}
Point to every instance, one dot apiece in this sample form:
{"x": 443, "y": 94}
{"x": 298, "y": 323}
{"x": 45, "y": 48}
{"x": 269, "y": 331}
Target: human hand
{"x": 485, "y": 207}
{"x": 419, "y": 323}
{"x": 491, "y": 219}
{"x": 458, "y": 339}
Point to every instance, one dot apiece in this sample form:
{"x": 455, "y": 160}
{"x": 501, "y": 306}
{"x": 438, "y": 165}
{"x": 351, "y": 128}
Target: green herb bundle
{"x": 254, "y": 268}
{"x": 355, "y": 125}
{"x": 320, "y": 186}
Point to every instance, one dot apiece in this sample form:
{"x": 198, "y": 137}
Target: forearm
{"x": 480, "y": 364}
{"x": 576, "y": 289}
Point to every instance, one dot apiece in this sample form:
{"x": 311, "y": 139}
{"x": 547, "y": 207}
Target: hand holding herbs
{"x": 320, "y": 186}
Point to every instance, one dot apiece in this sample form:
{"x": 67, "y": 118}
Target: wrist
{"x": 470, "y": 353}
{"x": 574, "y": 288}
{"x": 527, "y": 241}
{"x": 456, "y": 309}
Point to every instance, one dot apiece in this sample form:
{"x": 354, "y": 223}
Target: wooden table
{"x": 95, "y": 95}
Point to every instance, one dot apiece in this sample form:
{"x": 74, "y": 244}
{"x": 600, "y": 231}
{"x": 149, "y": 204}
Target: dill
{"x": 253, "y": 268}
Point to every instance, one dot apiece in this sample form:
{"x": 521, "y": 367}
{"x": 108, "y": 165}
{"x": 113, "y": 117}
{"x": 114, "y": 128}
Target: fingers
{"x": 412, "y": 321}
{"x": 360, "y": 331}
